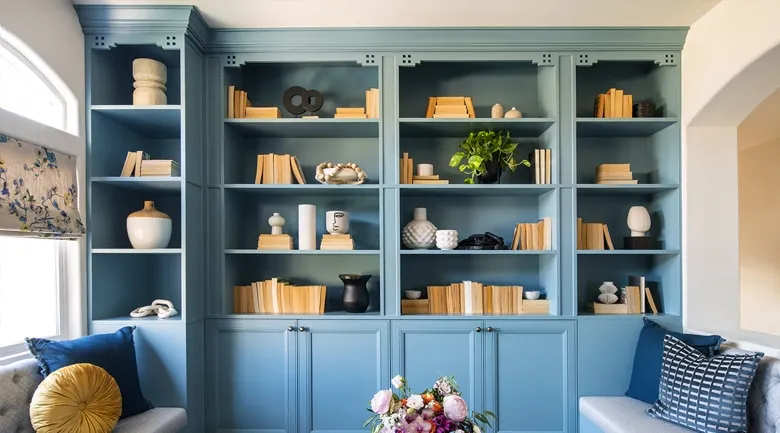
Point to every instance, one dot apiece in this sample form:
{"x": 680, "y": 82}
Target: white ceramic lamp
{"x": 638, "y": 221}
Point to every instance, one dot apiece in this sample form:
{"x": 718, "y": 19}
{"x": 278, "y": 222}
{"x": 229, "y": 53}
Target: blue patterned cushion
{"x": 708, "y": 395}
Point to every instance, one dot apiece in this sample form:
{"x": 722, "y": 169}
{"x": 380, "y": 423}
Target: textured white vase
{"x": 419, "y": 233}
{"x": 307, "y": 227}
{"x": 446, "y": 239}
{"x": 149, "y": 228}
{"x": 608, "y": 292}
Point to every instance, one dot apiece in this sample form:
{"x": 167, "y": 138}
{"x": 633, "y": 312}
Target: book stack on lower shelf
{"x": 473, "y": 298}
{"x": 636, "y": 300}
{"x": 337, "y": 242}
{"x": 274, "y": 242}
{"x": 275, "y": 296}
{"x": 160, "y": 167}
{"x": 278, "y": 169}
{"x": 533, "y": 236}
{"x": 592, "y": 236}
{"x": 614, "y": 174}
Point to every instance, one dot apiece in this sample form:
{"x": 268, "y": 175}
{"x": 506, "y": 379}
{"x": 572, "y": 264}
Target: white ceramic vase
{"x": 337, "y": 222}
{"x": 149, "y": 228}
{"x": 446, "y": 239}
{"x": 419, "y": 233}
{"x": 608, "y": 293}
{"x": 276, "y": 221}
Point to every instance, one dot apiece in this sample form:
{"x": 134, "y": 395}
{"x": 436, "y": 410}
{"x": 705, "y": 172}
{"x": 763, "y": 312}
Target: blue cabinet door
{"x": 341, "y": 364}
{"x": 424, "y": 350}
{"x": 529, "y": 375}
{"x": 251, "y": 377}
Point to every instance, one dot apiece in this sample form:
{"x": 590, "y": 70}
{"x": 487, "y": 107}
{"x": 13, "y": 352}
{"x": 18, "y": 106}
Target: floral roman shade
{"x": 37, "y": 192}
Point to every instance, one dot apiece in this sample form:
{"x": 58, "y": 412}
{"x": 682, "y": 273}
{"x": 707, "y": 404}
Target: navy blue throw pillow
{"x": 115, "y": 353}
{"x": 648, "y": 357}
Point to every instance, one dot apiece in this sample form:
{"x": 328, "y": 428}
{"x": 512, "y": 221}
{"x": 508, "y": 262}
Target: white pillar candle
{"x": 424, "y": 169}
{"x": 307, "y": 227}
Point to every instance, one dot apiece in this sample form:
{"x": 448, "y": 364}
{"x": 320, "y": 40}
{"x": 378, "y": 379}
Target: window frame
{"x": 67, "y": 138}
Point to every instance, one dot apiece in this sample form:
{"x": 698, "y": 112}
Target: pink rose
{"x": 381, "y": 402}
{"x": 455, "y": 408}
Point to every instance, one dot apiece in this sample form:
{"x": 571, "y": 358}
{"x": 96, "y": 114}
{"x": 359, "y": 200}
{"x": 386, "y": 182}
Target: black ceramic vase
{"x": 492, "y": 172}
{"x": 355, "y": 298}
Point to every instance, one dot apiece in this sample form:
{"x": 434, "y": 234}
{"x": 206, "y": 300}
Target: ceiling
{"x": 439, "y": 13}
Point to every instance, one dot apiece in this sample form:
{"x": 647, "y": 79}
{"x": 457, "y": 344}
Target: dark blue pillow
{"x": 649, "y": 354}
{"x": 115, "y": 353}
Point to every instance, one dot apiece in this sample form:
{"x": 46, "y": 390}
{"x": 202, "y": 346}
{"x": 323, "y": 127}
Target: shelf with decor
{"x": 322, "y": 128}
{"x": 438, "y": 128}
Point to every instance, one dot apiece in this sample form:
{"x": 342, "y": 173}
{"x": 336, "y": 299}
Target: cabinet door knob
{"x": 489, "y": 329}
{"x": 302, "y": 329}
{"x": 290, "y": 328}
{"x": 478, "y": 329}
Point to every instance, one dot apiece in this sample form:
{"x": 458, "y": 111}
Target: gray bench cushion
{"x": 624, "y": 415}
{"x": 157, "y": 420}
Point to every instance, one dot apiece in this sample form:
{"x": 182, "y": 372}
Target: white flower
{"x": 477, "y": 429}
{"x": 389, "y": 422}
{"x": 415, "y": 401}
{"x": 460, "y": 431}
{"x": 397, "y": 381}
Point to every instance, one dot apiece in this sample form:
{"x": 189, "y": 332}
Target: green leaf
{"x": 469, "y": 180}
{"x": 463, "y": 168}
{"x": 456, "y": 158}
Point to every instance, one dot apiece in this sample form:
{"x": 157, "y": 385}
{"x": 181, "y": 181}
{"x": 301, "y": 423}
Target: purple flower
{"x": 381, "y": 402}
{"x": 455, "y": 408}
{"x": 417, "y": 425}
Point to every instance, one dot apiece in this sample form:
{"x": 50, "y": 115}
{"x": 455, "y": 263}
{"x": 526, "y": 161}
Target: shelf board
{"x": 429, "y": 127}
{"x": 306, "y": 189}
{"x": 478, "y": 252}
{"x": 147, "y": 319}
{"x": 237, "y": 251}
{"x": 628, "y": 252}
{"x": 629, "y": 189}
{"x": 141, "y": 183}
{"x": 618, "y": 127}
{"x": 465, "y": 190}
{"x": 136, "y": 251}
{"x": 306, "y": 128}
{"x": 153, "y": 121}
{"x": 326, "y": 315}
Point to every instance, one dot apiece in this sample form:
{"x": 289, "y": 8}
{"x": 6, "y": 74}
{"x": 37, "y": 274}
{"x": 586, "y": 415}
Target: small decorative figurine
{"x": 638, "y": 222}
{"x": 340, "y": 174}
{"x": 514, "y": 113}
{"x": 497, "y": 112}
{"x": 276, "y": 222}
{"x": 608, "y": 293}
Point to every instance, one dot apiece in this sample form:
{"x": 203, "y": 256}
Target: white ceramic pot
{"x": 419, "y": 233}
{"x": 424, "y": 169}
{"x": 149, "y": 228}
{"x": 337, "y": 222}
{"x": 446, "y": 239}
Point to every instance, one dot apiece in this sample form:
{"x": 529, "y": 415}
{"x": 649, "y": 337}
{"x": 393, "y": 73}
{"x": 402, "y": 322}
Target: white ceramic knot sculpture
{"x": 638, "y": 221}
{"x": 150, "y": 78}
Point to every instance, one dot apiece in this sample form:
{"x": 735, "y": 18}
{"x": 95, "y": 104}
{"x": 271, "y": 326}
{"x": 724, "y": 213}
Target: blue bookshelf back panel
{"x": 122, "y": 282}
{"x": 302, "y": 270}
{"x": 342, "y": 84}
{"x": 111, "y": 80}
{"x": 662, "y": 273}
{"x": 247, "y": 213}
{"x": 523, "y": 85}
{"x": 241, "y": 154}
{"x": 645, "y": 80}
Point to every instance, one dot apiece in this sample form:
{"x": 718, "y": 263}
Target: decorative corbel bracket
{"x": 106, "y": 42}
{"x": 408, "y": 60}
{"x": 585, "y": 59}
{"x": 544, "y": 59}
{"x": 668, "y": 59}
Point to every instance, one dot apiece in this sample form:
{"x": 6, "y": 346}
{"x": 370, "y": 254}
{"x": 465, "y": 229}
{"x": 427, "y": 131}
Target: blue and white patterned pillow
{"x": 708, "y": 395}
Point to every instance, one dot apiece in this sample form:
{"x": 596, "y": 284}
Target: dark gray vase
{"x": 493, "y": 171}
{"x": 355, "y": 298}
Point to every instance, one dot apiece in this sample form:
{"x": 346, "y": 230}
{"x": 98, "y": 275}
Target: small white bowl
{"x": 413, "y": 294}
{"x": 532, "y": 295}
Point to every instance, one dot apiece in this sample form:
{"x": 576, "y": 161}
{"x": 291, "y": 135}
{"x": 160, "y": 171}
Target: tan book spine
{"x": 231, "y": 94}
{"x": 259, "y": 170}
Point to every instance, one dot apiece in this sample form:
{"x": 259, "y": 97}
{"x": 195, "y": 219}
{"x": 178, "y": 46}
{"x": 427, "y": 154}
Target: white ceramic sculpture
{"x": 608, "y": 293}
{"x": 276, "y": 222}
{"x": 419, "y": 233}
{"x": 514, "y": 113}
{"x": 150, "y": 78}
{"x": 446, "y": 239}
{"x": 638, "y": 221}
{"x": 424, "y": 169}
{"x": 337, "y": 222}
{"x": 149, "y": 228}
{"x": 497, "y": 112}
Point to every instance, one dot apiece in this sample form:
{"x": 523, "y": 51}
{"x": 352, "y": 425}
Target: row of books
{"x": 614, "y": 103}
{"x": 533, "y": 236}
{"x": 593, "y": 236}
{"x": 471, "y": 297}
{"x": 139, "y": 163}
{"x": 541, "y": 166}
{"x": 638, "y": 299}
{"x": 278, "y": 169}
{"x": 275, "y": 296}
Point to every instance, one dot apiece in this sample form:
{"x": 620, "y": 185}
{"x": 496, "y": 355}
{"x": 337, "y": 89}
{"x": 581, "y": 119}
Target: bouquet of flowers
{"x": 440, "y": 409}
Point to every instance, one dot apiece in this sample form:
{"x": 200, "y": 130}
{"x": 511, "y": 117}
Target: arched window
{"x": 29, "y": 88}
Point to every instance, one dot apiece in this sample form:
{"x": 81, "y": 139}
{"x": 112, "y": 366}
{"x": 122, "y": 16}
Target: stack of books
{"x": 337, "y": 242}
{"x": 541, "y": 166}
{"x": 278, "y": 297}
{"x": 614, "y": 103}
{"x": 450, "y": 107}
{"x": 533, "y": 236}
{"x": 350, "y": 113}
{"x": 274, "y": 242}
{"x": 160, "y": 167}
{"x": 592, "y": 236}
{"x": 278, "y": 169}
{"x": 614, "y": 174}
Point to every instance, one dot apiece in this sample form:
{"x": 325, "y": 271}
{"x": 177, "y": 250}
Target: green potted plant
{"x": 484, "y": 155}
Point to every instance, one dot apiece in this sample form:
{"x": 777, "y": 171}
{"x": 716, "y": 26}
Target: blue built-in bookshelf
{"x": 277, "y": 372}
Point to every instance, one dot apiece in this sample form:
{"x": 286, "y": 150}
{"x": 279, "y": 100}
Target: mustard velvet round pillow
{"x": 79, "y": 398}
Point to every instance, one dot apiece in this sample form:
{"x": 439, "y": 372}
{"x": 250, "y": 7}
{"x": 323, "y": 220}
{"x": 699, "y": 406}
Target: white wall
{"x": 730, "y": 65}
{"x": 51, "y": 29}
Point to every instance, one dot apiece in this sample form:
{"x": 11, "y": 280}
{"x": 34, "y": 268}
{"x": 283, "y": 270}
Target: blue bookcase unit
{"x": 278, "y": 372}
